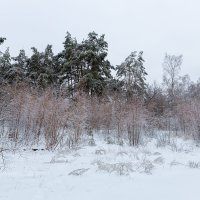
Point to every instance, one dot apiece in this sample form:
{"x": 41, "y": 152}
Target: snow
{"x": 94, "y": 173}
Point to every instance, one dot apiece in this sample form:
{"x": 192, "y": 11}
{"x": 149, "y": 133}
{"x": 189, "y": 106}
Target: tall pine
{"x": 96, "y": 68}
{"x": 132, "y": 74}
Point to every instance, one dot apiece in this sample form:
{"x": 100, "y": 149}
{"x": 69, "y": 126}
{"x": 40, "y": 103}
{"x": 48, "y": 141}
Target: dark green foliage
{"x": 33, "y": 67}
{"x": 40, "y": 67}
{"x": 132, "y": 73}
{"x": 5, "y": 64}
{"x": 2, "y": 40}
{"x": 114, "y": 85}
{"x": 84, "y": 66}
{"x": 96, "y": 68}
{"x": 80, "y": 67}
{"x": 17, "y": 72}
{"x": 69, "y": 64}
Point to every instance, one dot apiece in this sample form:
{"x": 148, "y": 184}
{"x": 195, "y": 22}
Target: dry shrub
{"x": 188, "y": 113}
{"x": 118, "y": 168}
{"x": 30, "y": 116}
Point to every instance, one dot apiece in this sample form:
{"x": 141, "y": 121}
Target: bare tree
{"x": 171, "y": 67}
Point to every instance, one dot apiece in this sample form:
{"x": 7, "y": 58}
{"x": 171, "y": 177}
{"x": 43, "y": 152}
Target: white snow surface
{"x": 104, "y": 171}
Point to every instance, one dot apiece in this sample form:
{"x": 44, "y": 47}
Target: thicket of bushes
{"x": 29, "y": 116}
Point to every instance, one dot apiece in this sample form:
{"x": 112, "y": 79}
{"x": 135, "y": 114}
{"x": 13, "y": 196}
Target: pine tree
{"x": 40, "y": 68}
{"x": 96, "y": 69}
{"x": 132, "y": 73}
{"x": 18, "y": 70}
{"x": 33, "y": 67}
{"x": 20, "y": 60}
{"x": 47, "y": 76}
{"x": 69, "y": 65}
{"x": 5, "y": 64}
{"x": 84, "y": 65}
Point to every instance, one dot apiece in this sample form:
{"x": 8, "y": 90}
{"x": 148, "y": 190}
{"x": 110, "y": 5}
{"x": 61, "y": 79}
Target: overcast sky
{"x": 153, "y": 26}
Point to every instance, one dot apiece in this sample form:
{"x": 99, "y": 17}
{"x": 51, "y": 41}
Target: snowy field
{"x": 103, "y": 172}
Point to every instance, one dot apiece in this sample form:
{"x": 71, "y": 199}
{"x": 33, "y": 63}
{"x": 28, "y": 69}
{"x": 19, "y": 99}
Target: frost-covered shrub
{"x": 175, "y": 163}
{"x": 193, "y": 164}
{"x": 123, "y": 168}
{"x": 120, "y": 142}
{"x": 118, "y": 168}
{"x": 78, "y": 172}
{"x": 91, "y": 142}
{"x": 100, "y": 152}
{"x": 110, "y": 140}
{"x": 162, "y": 139}
{"x": 145, "y": 166}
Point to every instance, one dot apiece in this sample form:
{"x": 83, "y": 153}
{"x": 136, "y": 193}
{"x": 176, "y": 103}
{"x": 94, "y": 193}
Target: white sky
{"x": 154, "y": 26}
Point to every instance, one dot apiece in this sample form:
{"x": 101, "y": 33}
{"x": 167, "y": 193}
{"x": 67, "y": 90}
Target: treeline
{"x": 64, "y": 98}
{"x": 78, "y": 67}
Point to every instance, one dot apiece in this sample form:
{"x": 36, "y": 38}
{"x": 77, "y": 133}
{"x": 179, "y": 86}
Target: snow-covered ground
{"x": 103, "y": 172}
